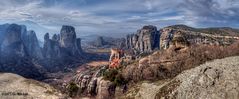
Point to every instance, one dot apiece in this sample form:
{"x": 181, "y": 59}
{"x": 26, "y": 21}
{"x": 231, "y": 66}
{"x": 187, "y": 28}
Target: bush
{"x": 119, "y": 80}
{"x": 169, "y": 63}
{"x": 114, "y": 76}
{"x": 110, "y": 74}
{"x": 72, "y": 89}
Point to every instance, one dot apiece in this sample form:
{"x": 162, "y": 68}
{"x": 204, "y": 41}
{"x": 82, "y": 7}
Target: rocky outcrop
{"x": 13, "y": 86}
{"x": 20, "y": 42}
{"x": 88, "y": 81}
{"x": 91, "y": 82}
{"x": 145, "y": 40}
{"x": 21, "y": 53}
{"x": 64, "y": 44}
{"x": 148, "y": 38}
{"x": 51, "y": 48}
{"x": 216, "y": 79}
{"x": 62, "y": 49}
{"x": 195, "y": 36}
{"x": 3, "y": 31}
{"x": 12, "y": 44}
{"x": 68, "y": 41}
{"x": 169, "y": 63}
{"x": 18, "y": 49}
{"x": 106, "y": 89}
{"x": 105, "y": 42}
{"x": 32, "y": 45}
{"x": 99, "y": 41}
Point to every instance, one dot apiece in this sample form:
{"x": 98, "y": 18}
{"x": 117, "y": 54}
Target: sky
{"x": 117, "y": 17}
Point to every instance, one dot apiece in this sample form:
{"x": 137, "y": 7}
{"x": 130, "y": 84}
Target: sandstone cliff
{"x": 149, "y": 38}
{"x": 145, "y": 40}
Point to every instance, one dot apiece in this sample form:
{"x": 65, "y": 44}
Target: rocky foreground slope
{"x": 13, "y": 86}
{"x": 217, "y": 79}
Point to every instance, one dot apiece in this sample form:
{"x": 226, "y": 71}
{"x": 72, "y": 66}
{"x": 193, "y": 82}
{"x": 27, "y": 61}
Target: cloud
{"x": 120, "y": 16}
{"x": 212, "y": 12}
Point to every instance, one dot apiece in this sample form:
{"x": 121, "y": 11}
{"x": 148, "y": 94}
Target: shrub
{"x": 72, "y": 89}
{"x": 110, "y": 74}
{"x": 119, "y": 80}
{"x": 114, "y": 76}
{"x": 169, "y": 63}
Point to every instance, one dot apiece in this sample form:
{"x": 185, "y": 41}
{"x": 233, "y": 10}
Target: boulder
{"x": 106, "y": 89}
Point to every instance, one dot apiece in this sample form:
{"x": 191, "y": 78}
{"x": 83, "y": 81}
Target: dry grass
{"x": 98, "y": 63}
{"x": 169, "y": 63}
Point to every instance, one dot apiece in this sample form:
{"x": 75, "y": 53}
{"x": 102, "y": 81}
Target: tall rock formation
{"x": 51, "y": 48}
{"x": 64, "y": 44}
{"x": 32, "y": 45}
{"x": 148, "y": 38}
{"x": 68, "y": 41}
{"x": 166, "y": 37}
{"x": 18, "y": 48}
{"x": 99, "y": 41}
{"x": 12, "y": 44}
{"x": 16, "y": 40}
{"x": 145, "y": 40}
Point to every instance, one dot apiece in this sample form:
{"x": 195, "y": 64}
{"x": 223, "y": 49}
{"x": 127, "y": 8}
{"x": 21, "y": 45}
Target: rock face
{"x": 65, "y": 44}
{"x": 148, "y": 38}
{"x": 68, "y": 41}
{"x": 216, "y": 79}
{"x": 12, "y": 43}
{"x": 23, "y": 88}
{"x": 88, "y": 81}
{"x": 99, "y": 41}
{"x": 3, "y": 31}
{"x": 18, "y": 48}
{"x": 106, "y": 90}
{"x": 21, "y": 53}
{"x": 32, "y": 45}
{"x": 194, "y": 36}
{"x": 18, "y": 41}
{"x": 51, "y": 48}
{"x": 105, "y": 42}
{"x": 145, "y": 40}
{"x": 91, "y": 83}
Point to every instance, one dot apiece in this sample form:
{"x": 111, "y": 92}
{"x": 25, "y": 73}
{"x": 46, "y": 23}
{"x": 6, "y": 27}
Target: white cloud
{"x": 121, "y": 15}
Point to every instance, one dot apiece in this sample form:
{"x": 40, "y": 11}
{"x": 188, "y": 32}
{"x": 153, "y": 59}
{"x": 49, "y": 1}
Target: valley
{"x": 139, "y": 66}
{"x": 119, "y": 49}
